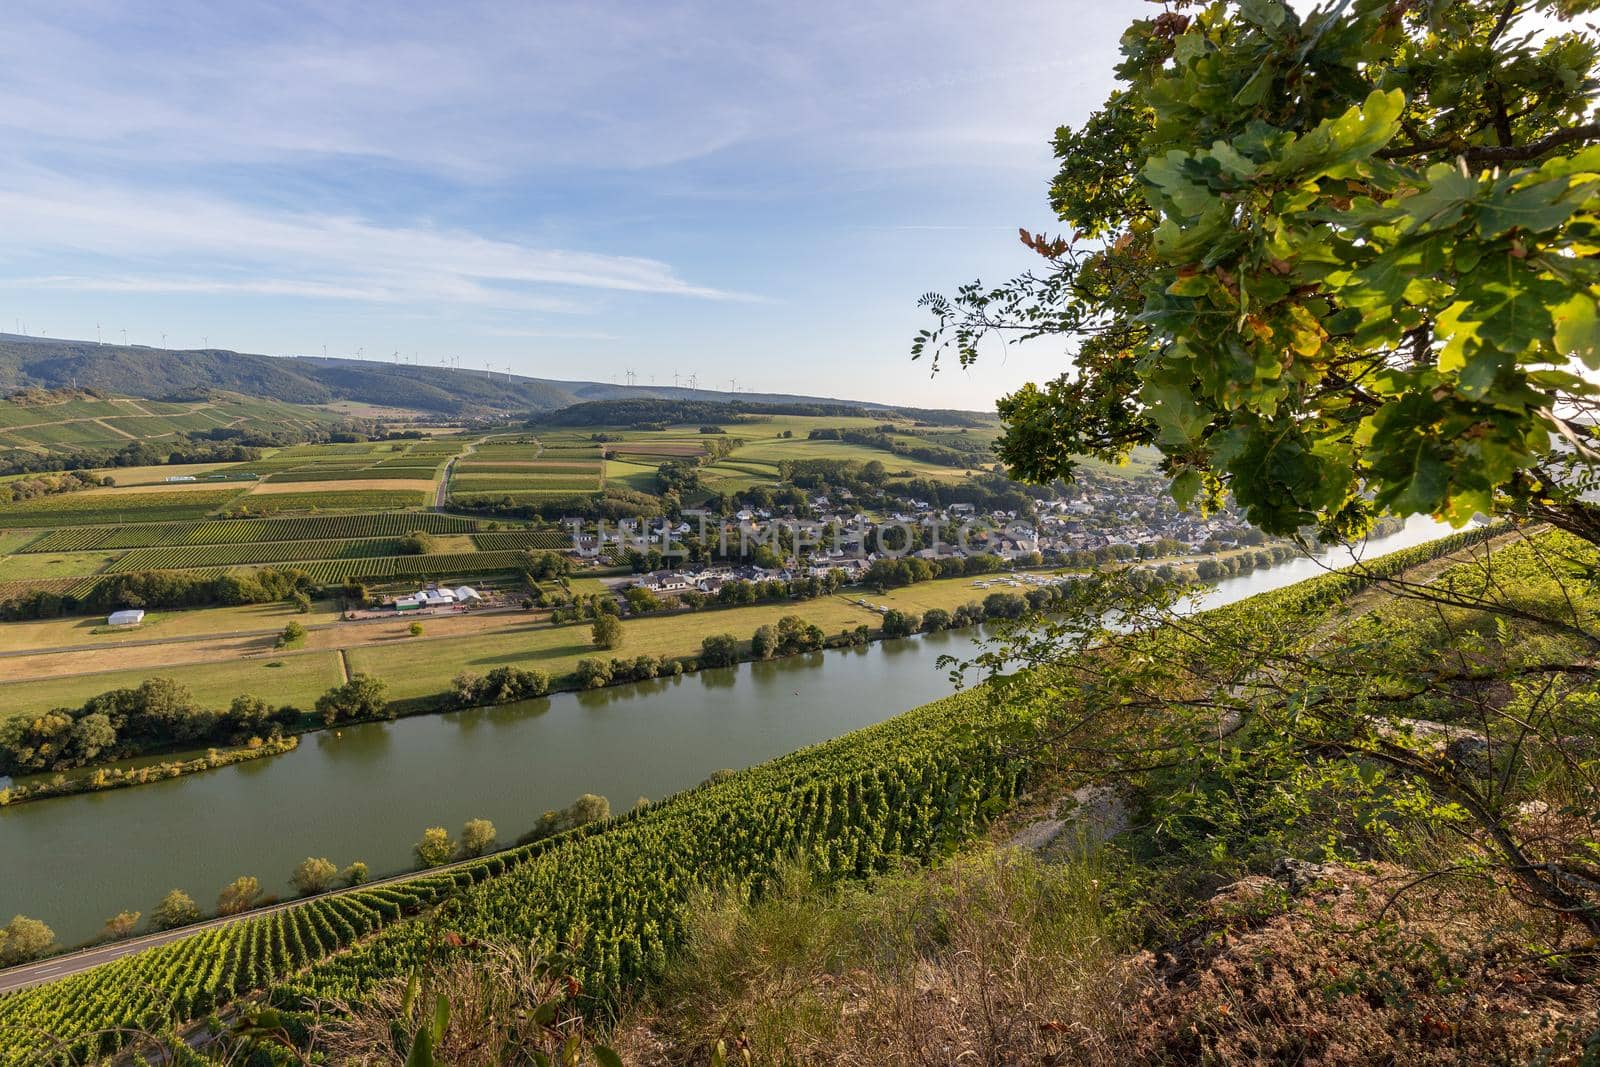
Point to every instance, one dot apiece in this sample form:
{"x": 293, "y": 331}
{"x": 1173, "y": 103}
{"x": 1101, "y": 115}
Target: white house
{"x": 466, "y": 593}
{"x": 126, "y": 617}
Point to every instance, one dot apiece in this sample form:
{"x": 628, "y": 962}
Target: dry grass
{"x": 999, "y": 959}
{"x": 994, "y": 959}
{"x": 1316, "y": 980}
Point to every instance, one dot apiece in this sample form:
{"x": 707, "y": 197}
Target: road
{"x": 56, "y": 967}
{"x": 441, "y": 495}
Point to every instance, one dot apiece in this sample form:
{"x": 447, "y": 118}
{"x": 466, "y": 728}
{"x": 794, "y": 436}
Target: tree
{"x": 293, "y": 633}
{"x": 1336, "y": 265}
{"x": 359, "y": 698}
{"x": 176, "y": 909}
{"x": 301, "y": 601}
{"x": 719, "y": 650}
{"x": 897, "y": 623}
{"x": 592, "y": 673}
{"x": 415, "y": 629}
{"x": 120, "y": 925}
{"x": 607, "y": 631}
{"x": 23, "y": 939}
{"x": 435, "y": 848}
{"x": 935, "y": 619}
{"x": 355, "y": 874}
{"x": 477, "y": 837}
{"x": 239, "y": 895}
{"x": 763, "y": 643}
{"x": 417, "y": 543}
{"x": 314, "y": 875}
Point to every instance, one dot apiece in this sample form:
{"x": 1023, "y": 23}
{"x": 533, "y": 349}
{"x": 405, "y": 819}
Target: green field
{"x": 115, "y": 506}
{"x": 294, "y": 678}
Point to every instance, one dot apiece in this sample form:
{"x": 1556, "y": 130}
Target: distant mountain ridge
{"x": 157, "y": 373}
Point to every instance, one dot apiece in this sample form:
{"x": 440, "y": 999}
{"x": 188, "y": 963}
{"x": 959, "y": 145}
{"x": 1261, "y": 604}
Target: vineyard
{"x": 335, "y": 500}
{"x": 912, "y": 786}
{"x": 97, "y": 508}
{"x": 249, "y": 531}
{"x": 548, "y": 540}
{"x": 186, "y": 556}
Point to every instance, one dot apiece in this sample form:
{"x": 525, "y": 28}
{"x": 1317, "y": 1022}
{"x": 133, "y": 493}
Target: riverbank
{"x": 101, "y": 779}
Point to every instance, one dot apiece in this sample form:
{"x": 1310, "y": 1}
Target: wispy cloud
{"x": 333, "y": 257}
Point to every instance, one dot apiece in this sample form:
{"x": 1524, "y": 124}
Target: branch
{"x": 1589, "y": 131}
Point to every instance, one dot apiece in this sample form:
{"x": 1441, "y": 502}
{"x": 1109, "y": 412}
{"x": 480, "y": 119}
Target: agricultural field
{"x": 518, "y": 468}
{"x": 53, "y": 424}
{"x": 103, "y": 506}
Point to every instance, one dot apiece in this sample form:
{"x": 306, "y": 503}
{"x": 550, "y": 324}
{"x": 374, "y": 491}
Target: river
{"x": 367, "y": 792}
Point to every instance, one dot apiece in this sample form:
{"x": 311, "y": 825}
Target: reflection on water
{"x": 367, "y": 792}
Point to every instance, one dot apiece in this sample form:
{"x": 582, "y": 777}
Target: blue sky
{"x": 747, "y": 191}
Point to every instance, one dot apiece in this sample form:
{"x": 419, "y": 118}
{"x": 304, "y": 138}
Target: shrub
{"x": 239, "y": 895}
{"x": 477, "y": 837}
{"x": 355, "y": 874}
{"x": 176, "y": 909}
{"x": 593, "y": 673}
{"x": 719, "y": 650}
{"x": 898, "y": 623}
{"x": 314, "y": 875}
{"x": 23, "y": 939}
{"x": 359, "y": 698}
{"x": 435, "y": 848}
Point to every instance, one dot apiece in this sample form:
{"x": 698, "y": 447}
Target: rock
{"x": 1300, "y": 875}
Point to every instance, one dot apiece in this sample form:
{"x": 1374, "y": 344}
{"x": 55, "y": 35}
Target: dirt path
{"x": 441, "y": 495}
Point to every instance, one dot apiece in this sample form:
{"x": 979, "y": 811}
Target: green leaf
{"x": 1537, "y": 208}
{"x": 1356, "y": 134}
{"x": 1442, "y": 202}
{"x": 421, "y": 1054}
{"x": 441, "y": 1017}
{"x": 545, "y": 1014}
{"x": 606, "y": 1058}
{"x": 1179, "y": 418}
{"x": 410, "y": 996}
{"x": 1578, "y": 329}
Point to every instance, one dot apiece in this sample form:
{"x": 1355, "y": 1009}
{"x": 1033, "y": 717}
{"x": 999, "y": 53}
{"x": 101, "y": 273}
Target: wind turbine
{"x": 97, "y": 333}
{"x": 163, "y": 340}
{"x": 733, "y": 385}
{"x": 124, "y": 336}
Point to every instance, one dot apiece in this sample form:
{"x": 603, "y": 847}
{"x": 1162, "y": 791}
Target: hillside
{"x": 158, "y": 373}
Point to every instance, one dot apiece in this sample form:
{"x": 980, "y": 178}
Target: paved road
{"x": 14, "y": 978}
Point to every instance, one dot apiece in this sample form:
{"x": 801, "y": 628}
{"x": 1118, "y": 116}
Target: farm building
{"x": 126, "y": 617}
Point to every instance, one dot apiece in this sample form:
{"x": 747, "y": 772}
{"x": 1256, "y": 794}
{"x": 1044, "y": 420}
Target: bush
{"x": 176, "y": 909}
{"x": 355, "y": 874}
{"x": 477, "y": 837}
{"x": 314, "y": 875}
{"x": 935, "y": 619}
{"x": 435, "y": 848}
{"x": 586, "y": 809}
{"x": 239, "y": 895}
{"x": 415, "y": 629}
{"x": 359, "y": 698}
{"x": 898, "y": 623}
{"x": 417, "y": 543}
{"x": 719, "y": 650}
{"x": 593, "y": 673}
{"x": 1004, "y": 606}
{"x": 763, "y": 643}
{"x": 23, "y": 939}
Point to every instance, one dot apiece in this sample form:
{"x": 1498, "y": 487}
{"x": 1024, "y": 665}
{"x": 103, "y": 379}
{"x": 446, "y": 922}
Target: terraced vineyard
{"x": 910, "y": 787}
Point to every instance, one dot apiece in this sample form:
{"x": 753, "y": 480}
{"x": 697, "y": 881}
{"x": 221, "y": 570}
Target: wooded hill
{"x": 184, "y": 374}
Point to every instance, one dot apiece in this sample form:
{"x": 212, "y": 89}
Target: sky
{"x": 751, "y": 193}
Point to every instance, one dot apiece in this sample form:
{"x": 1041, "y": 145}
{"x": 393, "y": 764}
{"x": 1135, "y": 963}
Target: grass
{"x": 296, "y": 679}
{"x": 43, "y": 565}
{"x": 199, "y": 622}
{"x": 419, "y": 668}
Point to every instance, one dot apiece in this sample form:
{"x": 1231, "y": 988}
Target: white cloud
{"x": 171, "y": 243}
